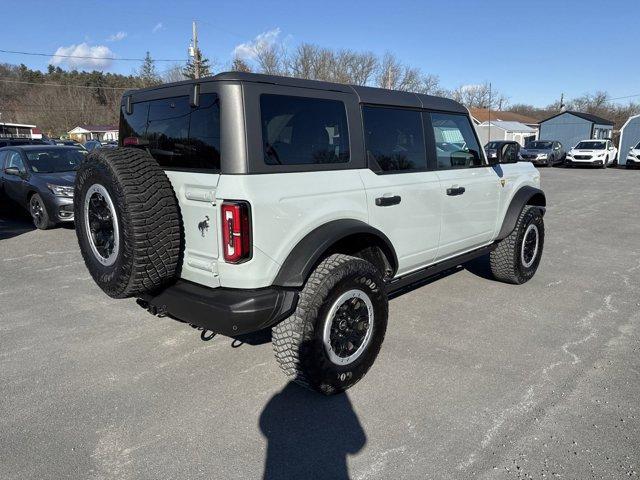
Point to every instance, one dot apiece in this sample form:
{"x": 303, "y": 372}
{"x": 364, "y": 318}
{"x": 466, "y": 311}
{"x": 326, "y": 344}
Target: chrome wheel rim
{"x": 348, "y": 327}
{"x": 529, "y": 247}
{"x": 37, "y": 211}
{"x": 101, "y": 224}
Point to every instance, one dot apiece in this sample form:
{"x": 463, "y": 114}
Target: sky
{"x": 530, "y": 51}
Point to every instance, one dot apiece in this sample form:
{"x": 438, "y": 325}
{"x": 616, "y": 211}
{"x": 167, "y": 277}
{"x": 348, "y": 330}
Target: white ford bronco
{"x": 242, "y": 202}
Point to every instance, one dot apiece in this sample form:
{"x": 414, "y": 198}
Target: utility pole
{"x": 489, "y": 134}
{"x": 196, "y": 52}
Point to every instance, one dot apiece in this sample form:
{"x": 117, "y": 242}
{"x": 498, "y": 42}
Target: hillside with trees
{"x": 58, "y": 100}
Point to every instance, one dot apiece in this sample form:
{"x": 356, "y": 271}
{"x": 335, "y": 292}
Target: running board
{"x": 409, "y": 279}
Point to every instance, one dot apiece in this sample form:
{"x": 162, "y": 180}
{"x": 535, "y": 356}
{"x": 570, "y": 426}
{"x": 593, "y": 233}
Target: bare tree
{"x": 173, "y": 74}
{"x": 393, "y": 74}
{"x": 480, "y": 96}
{"x": 271, "y": 58}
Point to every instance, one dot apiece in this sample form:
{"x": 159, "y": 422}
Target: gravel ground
{"x": 476, "y": 379}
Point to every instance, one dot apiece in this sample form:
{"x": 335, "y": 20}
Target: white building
{"x": 94, "y": 132}
{"x": 503, "y": 130}
{"x": 16, "y": 130}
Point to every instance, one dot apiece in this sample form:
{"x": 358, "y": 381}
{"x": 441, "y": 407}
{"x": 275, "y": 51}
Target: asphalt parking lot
{"x": 476, "y": 379}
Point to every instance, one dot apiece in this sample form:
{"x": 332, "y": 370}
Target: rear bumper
{"x": 228, "y": 311}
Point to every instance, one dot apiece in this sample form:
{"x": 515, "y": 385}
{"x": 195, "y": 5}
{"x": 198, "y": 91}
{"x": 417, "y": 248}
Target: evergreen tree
{"x": 189, "y": 70}
{"x": 147, "y": 72}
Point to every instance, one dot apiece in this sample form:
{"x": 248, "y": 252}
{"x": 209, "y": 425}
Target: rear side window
{"x": 303, "y": 131}
{"x": 394, "y": 139}
{"x": 456, "y": 144}
{"x": 177, "y": 135}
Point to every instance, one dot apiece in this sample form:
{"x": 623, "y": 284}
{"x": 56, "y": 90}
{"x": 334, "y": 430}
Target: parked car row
{"x": 596, "y": 153}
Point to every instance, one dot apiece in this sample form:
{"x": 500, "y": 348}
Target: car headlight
{"x": 61, "y": 190}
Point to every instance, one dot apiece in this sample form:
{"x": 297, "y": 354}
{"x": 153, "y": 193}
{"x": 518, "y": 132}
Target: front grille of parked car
{"x": 529, "y": 157}
{"x": 582, "y": 157}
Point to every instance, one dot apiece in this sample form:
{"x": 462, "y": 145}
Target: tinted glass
{"x": 394, "y": 139}
{"x": 135, "y": 124}
{"x": 2, "y": 157}
{"x": 302, "y": 131}
{"x": 204, "y": 133}
{"x": 168, "y": 130}
{"x": 456, "y": 144}
{"x": 176, "y": 134}
{"x": 51, "y": 160}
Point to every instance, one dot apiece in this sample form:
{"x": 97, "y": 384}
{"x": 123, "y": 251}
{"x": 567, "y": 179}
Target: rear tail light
{"x": 236, "y": 232}
{"x": 130, "y": 141}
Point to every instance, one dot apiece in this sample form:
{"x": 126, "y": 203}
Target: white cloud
{"x": 91, "y": 57}
{"x": 248, "y": 50}
{"x": 116, "y": 37}
{"x": 157, "y": 28}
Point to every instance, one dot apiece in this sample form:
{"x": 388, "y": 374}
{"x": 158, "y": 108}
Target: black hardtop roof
{"x": 371, "y": 95}
{"x": 586, "y": 116}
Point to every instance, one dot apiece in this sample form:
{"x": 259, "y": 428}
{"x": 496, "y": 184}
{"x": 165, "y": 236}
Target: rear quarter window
{"x": 303, "y": 130}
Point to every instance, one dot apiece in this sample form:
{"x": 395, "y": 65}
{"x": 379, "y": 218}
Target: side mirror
{"x": 493, "y": 161}
{"x": 12, "y": 171}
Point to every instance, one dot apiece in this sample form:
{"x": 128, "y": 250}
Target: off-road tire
{"x": 298, "y": 340}
{"x": 506, "y": 260}
{"x": 149, "y": 221}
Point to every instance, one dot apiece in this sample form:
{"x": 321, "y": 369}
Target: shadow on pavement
{"x": 14, "y": 220}
{"x": 480, "y": 267}
{"x": 309, "y": 435}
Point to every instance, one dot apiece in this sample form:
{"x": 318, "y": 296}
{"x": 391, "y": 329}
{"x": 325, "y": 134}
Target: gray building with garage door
{"x": 570, "y": 127}
{"x": 629, "y": 138}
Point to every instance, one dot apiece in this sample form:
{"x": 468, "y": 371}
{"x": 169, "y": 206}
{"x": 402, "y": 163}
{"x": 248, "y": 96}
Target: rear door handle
{"x": 388, "y": 201}
{"x": 453, "y": 191}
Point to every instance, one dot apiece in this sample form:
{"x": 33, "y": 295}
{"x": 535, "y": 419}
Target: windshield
{"x": 53, "y": 160}
{"x": 591, "y": 146}
{"x": 637, "y": 147}
{"x": 492, "y": 145}
{"x": 540, "y": 145}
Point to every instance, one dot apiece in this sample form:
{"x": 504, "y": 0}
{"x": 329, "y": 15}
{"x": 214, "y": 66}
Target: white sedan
{"x": 597, "y": 153}
{"x": 633, "y": 157}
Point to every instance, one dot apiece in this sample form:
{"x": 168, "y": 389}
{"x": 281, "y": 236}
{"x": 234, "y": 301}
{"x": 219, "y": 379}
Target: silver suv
{"x": 243, "y": 202}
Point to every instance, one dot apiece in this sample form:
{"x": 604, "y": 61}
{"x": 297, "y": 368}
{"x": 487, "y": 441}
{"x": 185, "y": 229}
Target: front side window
{"x": 14, "y": 160}
{"x": 456, "y": 144}
{"x": 303, "y": 131}
{"x": 394, "y": 139}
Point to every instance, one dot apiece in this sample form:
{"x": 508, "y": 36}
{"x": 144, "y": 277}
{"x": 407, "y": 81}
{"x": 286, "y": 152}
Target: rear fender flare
{"x": 309, "y": 251}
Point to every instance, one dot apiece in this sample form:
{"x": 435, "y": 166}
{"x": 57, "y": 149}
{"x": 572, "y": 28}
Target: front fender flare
{"x": 309, "y": 251}
{"x": 525, "y": 196}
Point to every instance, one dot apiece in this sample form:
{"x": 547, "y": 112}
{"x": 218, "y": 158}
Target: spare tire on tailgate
{"x": 127, "y": 221}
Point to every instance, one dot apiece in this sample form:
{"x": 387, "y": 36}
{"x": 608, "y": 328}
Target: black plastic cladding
{"x": 251, "y": 161}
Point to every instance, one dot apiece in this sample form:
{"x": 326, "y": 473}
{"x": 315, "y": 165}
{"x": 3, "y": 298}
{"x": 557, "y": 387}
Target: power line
{"x": 22, "y": 82}
{"x": 92, "y": 58}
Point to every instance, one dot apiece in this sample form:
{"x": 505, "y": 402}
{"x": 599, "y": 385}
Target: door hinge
{"x": 200, "y": 195}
